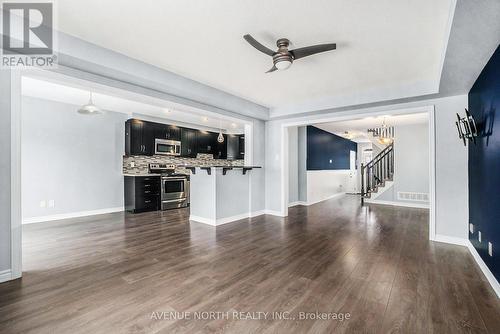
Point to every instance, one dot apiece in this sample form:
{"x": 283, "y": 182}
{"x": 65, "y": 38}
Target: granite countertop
{"x": 141, "y": 174}
{"x": 222, "y": 166}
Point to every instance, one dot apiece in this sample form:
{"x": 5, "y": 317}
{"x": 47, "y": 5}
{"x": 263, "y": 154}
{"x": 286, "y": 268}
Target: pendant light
{"x": 220, "y": 137}
{"x": 89, "y": 108}
{"x": 386, "y": 134}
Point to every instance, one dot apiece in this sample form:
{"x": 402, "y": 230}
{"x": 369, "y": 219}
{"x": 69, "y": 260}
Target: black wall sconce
{"x": 466, "y": 127}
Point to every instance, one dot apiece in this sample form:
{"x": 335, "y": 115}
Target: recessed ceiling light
{"x": 205, "y": 119}
{"x": 168, "y": 111}
{"x": 233, "y": 125}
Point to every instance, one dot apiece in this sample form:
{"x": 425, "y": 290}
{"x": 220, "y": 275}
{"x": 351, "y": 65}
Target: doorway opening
{"x": 384, "y": 158}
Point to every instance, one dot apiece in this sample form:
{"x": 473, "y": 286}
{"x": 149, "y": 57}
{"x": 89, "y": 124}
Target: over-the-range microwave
{"x": 167, "y": 147}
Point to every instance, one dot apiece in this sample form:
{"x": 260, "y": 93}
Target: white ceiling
{"x": 385, "y": 49}
{"x": 127, "y": 103}
{"x": 358, "y": 127}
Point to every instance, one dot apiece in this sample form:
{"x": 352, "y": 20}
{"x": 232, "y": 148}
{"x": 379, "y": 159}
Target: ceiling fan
{"x": 283, "y": 58}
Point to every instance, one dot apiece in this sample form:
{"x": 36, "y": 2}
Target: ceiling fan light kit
{"x": 283, "y": 58}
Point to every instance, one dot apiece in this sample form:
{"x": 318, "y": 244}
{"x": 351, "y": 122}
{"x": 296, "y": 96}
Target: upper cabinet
{"x": 189, "y": 144}
{"x": 205, "y": 141}
{"x": 241, "y": 147}
{"x": 233, "y": 147}
{"x": 169, "y": 132}
{"x": 140, "y": 140}
{"x": 139, "y": 137}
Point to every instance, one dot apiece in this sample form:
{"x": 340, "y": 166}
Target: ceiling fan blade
{"x": 311, "y": 50}
{"x": 253, "y": 42}
{"x": 274, "y": 68}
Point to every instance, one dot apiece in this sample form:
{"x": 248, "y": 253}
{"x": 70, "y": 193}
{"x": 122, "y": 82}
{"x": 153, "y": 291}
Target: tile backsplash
{"x": 141, "y": 163}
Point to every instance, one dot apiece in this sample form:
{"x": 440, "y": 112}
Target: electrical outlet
{"x": 43, "y": 204}
{"x": 132, "y": 164}
{"x": 479, "y": 236}
{"x": 471, "y": 228}
{"x": 490, "y": 248}
{"x": 52, "y": 203}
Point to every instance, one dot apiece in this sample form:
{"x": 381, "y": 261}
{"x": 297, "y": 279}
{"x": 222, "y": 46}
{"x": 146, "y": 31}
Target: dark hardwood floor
{"x": 109, "y": 273}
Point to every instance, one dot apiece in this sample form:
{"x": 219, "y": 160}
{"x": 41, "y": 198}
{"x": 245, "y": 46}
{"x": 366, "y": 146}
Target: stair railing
{"x": 377, "y": 171}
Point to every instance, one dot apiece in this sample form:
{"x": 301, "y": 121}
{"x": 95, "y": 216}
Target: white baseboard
{"x": 322, "y": 200}
{"x": 225, "y": 220}
{"x": 296, "y": 203}
{"x": 5, "y": 275}
{"x": 274, "y": 213}
{"x": 257, "y": 213}
{"x": 202, "y": 220}
{"x": 403, "y": 204}
{"x": 451, "y": 240}
{"x": 484, "y": 268}
{"x": 42, "y": 219}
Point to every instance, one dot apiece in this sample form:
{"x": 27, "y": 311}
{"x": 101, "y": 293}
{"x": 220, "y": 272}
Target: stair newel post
{"x": 386, "y": 164}
{"x": 382, "y": 168}
{"x": 362, "y": 183}
{"x": 392, "y": 160}
{"x": 369, "y": 179}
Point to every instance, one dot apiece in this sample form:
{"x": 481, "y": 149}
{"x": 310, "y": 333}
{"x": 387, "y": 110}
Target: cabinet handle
{"x": 147, "y": 191}
{"x": 147, "y": 201}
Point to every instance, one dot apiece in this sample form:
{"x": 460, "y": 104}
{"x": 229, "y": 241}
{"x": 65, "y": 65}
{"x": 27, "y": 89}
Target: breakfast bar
{"x": 220, "y": 194}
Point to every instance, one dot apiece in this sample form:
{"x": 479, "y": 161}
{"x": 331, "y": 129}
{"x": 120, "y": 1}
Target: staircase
{"x": 377, "y": 172}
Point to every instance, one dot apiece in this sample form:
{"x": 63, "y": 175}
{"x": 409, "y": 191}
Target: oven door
{"x": 167, "y": 147}
{"x": 173, "y": 188}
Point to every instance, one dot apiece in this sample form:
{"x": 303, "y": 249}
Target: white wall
{"x": 73, "y": 159}
{"x": 257, "y": 176}
{"x": 411, "y": 162}
{"x": 451, "y": 160}
{"x": 324, "y": 184}
{"x": 5, "y": 172}
{"x": 293, "y": 164}
{"x": 302, "y": 163}
{"x": 309, "y": 187}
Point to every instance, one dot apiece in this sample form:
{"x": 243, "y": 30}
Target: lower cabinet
{"x": 142, "y": 193}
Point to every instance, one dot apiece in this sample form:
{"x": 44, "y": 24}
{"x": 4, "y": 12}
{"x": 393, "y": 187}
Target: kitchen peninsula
{"x": 220, "y": 194}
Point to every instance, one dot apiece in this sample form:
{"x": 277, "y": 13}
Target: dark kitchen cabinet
{"x": 139, "y": 137}
{"x": 189, "y": 145}
{"x": 241, "y": 146}
{"x": 169, "y": 132}
{"x": 205, "y": 142}
{"x": 233, "y": 147}
{"x": 142, "y": 193}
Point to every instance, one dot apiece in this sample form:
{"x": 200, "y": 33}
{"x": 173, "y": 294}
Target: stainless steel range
{"x": 174, "y": 187}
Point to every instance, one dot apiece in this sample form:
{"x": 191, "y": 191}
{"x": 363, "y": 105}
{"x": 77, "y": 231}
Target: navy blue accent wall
{"x": 323, "y": 147}
{"x": 484, "y": 164}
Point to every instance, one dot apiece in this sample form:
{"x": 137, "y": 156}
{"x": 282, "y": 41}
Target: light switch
{"x": 43, "y": 204}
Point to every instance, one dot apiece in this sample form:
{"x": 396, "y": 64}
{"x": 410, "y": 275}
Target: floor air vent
{"x": 417, "y": 197}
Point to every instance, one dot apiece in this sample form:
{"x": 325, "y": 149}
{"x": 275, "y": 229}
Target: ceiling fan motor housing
{"x": 282, "y": 54}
